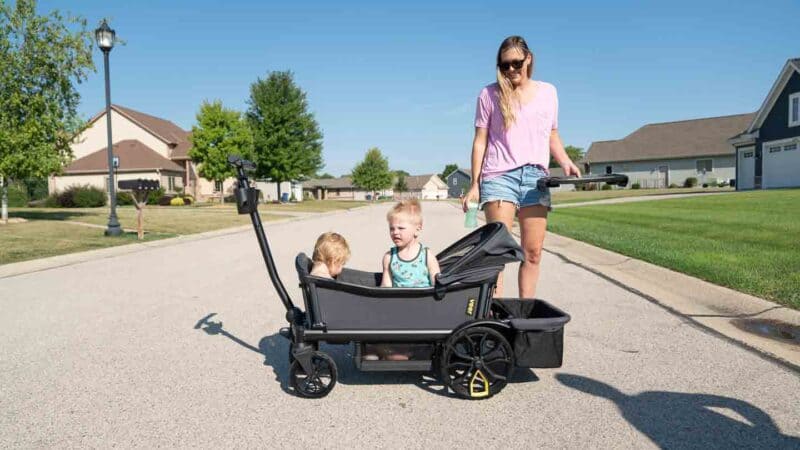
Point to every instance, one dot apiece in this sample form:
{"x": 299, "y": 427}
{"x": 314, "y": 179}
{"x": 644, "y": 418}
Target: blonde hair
{"x": 331, "y": 248}
{"x": 509, "y": 99}
{"x": 410, "y": 208}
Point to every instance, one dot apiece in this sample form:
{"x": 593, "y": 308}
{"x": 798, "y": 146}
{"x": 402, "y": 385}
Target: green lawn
{"x": 562, "y": 197}
{"x": 747, "y": 241}
{"x": 47, "y": 234}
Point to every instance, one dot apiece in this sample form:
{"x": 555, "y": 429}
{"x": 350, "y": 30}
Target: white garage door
{"x": 781, "y": 164}
{"x": 747, "y": 168}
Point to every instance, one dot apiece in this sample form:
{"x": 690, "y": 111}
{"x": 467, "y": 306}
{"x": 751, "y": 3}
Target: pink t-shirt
{"x": 527, "y": 141}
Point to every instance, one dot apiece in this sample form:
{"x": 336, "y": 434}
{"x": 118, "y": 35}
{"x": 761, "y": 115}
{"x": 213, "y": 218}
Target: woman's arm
{"x": 560, "y": 155}
{"x": 433, "y": 266}
{"x": 386, "y": 279}
{"x": 478, "y": 150}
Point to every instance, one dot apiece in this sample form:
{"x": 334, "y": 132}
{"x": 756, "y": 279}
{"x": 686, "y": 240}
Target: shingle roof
{"x": 417, "y": 182}
{"x": 133, "y": 156}
{"x": 681, "y": 139}
{"x": 330, "y": 183}
{"x": 175, "y": 136}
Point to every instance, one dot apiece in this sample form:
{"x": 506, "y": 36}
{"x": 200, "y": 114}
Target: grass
{"x": 42, "y": 238}
{"x": 747, "y": 241}
{"x": 47, "y": 232}
{"x": 588, "y": 196}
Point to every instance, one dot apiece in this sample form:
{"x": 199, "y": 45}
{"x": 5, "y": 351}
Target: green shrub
{"x": 636, "y": 185}
{"x": 154, "y": 196}
{"x": 88, "y": 196}
{"x": 690, "y": 182}
{"x": 165, "y": 200}
{"x": 188, "y": 199}
{"x": 51, "y": 201}
{"x": 176, "y": 201}
{"x": 673, "y": 186}
{"x": 713, "y": 183}
{"x": 124, "y": 199}
{"x": 606, "y": 187}
{"x": 17, "y": 195}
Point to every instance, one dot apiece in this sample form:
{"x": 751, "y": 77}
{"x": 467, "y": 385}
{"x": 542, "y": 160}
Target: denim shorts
{"x": 517, "y": 186}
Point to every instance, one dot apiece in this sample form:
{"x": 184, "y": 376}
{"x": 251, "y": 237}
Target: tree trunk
{"x": 279, "y": 192}
{"x": 140, "y": 223}
{"x": 4, "y": 194}
{"x": 222, "y": 192}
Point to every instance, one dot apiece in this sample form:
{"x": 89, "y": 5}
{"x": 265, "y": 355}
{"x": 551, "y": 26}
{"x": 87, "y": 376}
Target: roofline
{"x": 732, "y": 153}
{"x": 105, "y": 171}
{"x": 769, "y": 102}
{"x": 141, "y": 125}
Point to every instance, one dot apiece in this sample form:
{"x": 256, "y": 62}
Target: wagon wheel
{"x": 321, "y": 380}
{"x": 476, "y": 362}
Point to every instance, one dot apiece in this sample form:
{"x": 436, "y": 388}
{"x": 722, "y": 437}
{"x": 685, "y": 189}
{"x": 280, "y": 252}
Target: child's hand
{"x": 472, "y": 196}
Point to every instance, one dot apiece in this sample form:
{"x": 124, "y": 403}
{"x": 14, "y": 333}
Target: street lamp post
{"x": 105, "y": 40}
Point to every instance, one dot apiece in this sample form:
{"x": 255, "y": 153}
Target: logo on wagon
{"x": 471, "y": 307}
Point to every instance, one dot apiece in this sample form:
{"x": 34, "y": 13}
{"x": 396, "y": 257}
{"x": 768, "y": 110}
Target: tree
{"x": 574, "y": 153}
{"x": 373, "y": 172}
{"x": 325, "y": 176}
{"x": 402, "y": 172}
{"x": 400, "y": 185}
{"x": 287, "y": 140}
{"x": 219, "y": 132}
{"x": 448, "y": 169}
{"x": 41, "y": 60}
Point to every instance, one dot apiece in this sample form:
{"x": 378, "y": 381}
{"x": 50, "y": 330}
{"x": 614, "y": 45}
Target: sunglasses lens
{"x": 516, "y": 64}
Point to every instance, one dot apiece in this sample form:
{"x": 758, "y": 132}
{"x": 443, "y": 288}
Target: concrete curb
{"x": 38, "y": 265}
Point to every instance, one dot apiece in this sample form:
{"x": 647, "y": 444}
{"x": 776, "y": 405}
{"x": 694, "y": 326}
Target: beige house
{"x": 424, "y": 187}
{"x": 659, "y": 154}
{"x": 341, "y": 188}
{"x": 147, "y": 147}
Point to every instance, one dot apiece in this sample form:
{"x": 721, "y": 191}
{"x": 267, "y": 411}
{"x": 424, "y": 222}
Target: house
{"x": 768, "y": 150}
{"x": 425, "y": 187}
{"x": 660, "y": 154}
{"x": 458, "y": 183}
{"x": 341, "y": 188}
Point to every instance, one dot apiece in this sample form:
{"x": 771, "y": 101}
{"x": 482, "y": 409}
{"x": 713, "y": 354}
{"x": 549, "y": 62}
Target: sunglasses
{"x": 515, "y": 63}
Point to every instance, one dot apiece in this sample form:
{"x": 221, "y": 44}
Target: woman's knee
{"x": 533, "y": 254}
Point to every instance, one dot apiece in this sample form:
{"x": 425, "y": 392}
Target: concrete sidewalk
{"x": 643, "y": 198}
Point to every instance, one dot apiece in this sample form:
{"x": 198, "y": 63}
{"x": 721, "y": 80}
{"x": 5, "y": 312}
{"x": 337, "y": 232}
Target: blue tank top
{"x": 412, "y": 273}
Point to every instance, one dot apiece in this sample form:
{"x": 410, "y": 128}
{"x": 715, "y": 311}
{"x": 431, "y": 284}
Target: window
{"x": 171, "y": 183}
{"x": 704, "y": 166}
{"x": 218, "y": 186}
{"x": 790, "y": 147}
{"x": 455, "y": 181}
{"x": 748, "y": 154}
{"x": 775, "y": 149}
{"x": 794, "y": 109}
{"x": 608, "y": 170}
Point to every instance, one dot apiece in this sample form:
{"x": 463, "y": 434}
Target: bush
{"x": 165, "y": 200}
{"x": 88, "y": 196}
{"x": 17, "y": 195}
{"x": 690, "y": 182}
{"x": 713, "y": 183}
{"x": 673, "y": 186}
{"x": 606, "y": 187}
{"x": 636, "y": 185}
{"x": 51, "y": 201}
{"x": 176, "y": 201}
{"x": 188, "y": 200}
{"x": 154, "y": 196}
{"x": 124, "y": 199}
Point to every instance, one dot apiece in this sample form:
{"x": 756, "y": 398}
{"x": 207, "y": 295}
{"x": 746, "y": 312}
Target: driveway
{"x": 178, "y": 346}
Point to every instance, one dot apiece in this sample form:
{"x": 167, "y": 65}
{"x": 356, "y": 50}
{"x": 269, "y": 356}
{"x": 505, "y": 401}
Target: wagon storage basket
{"x": 538, "y": 330}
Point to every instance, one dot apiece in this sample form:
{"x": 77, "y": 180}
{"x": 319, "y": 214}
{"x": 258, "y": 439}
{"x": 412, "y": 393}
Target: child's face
{"x": 403, "y": 230}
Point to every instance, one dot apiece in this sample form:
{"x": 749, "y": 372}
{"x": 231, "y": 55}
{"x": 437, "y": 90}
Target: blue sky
{"x": 404, "y": 76}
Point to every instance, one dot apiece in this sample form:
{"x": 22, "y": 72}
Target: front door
{"x": 663, "y": 176}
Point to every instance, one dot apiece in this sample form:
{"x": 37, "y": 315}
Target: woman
{"x": 516, "y": 132}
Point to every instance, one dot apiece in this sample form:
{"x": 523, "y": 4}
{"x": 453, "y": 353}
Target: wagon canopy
{"x": 478, "y": 256}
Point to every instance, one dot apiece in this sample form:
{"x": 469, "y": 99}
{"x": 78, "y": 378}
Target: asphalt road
{"x": 109, "y": 353}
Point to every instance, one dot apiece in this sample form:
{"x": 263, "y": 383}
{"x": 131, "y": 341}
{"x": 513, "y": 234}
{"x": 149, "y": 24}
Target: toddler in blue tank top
{"x": 408, "y": 264}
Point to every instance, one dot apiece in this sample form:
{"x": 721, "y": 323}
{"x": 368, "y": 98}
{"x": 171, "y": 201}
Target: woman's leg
{"x": 500, "y": 211}
{"x": 533, "y": 225}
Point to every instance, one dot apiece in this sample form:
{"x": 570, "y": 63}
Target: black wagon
{"x": 455, "y": 329}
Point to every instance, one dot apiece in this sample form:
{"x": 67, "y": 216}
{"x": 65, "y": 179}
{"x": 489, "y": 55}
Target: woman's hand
{"x": 570, "y": 169}
{"x": 473, "y": 195}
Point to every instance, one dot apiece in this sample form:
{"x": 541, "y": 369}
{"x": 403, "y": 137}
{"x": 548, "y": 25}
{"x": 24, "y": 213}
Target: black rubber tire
{"x": 476, "y": 357}
{"x": 320, "y": 382}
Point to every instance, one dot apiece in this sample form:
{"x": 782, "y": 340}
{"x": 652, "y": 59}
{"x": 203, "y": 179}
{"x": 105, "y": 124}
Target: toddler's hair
{"x": 410, "y": 208}
{"x": 331, "y": 248}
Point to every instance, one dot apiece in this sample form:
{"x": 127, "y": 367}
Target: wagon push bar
{"x": 247, "y": 203}
{"x": 612, "y": 178}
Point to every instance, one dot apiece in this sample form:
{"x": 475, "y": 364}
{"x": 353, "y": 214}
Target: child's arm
{"x": 386, "y": 279}
{"x": 433, "y": 267}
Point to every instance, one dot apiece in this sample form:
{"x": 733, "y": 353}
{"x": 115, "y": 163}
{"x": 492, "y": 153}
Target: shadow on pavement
{"x": 683, "y": 420}
{"x": 275, "y": 350}
{"x": 55, "y": 214}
